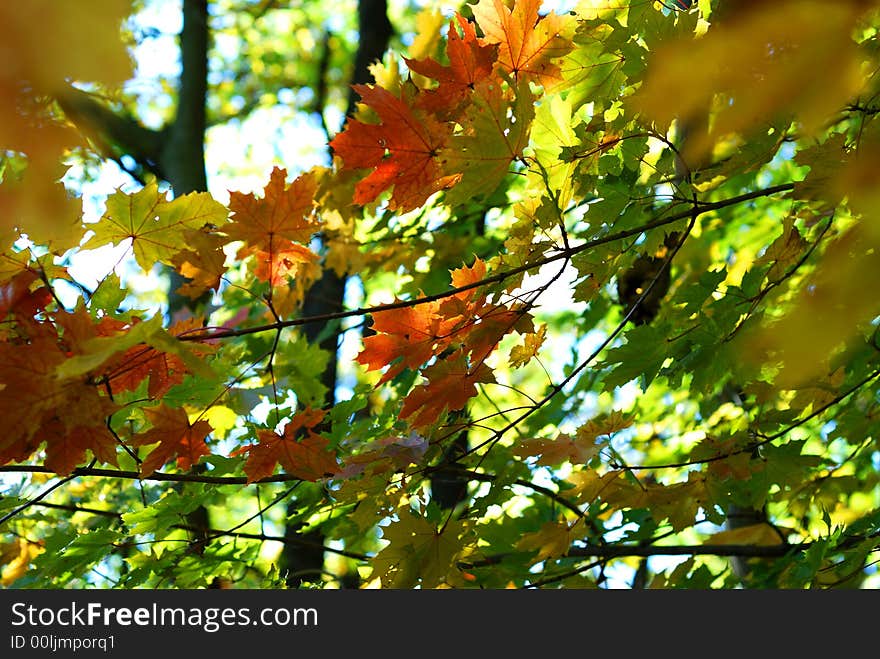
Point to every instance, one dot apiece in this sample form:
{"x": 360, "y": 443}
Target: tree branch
{"x": 156, "y": 476}
{"x": 262, "y": 537}
{"x": 699, "y": 209}
{"x": 112, "y": 134}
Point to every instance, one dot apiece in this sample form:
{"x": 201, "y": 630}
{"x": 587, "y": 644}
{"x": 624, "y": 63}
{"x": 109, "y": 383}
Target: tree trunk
{"x": 326, "y": 296}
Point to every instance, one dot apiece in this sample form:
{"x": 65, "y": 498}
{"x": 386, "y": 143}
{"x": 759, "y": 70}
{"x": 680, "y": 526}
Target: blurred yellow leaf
{"x": 754, "y": 534}
{"x": 15, "y": 557}
{"x": 46, "y": 44}
{"x": 829, "y": 311}
{"x": 787, "y": 58}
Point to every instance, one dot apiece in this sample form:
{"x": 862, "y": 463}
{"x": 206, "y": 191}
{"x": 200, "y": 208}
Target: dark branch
{"x": 700, "y": 209}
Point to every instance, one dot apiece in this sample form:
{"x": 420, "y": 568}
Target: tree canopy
{"x": 607, "y": 317}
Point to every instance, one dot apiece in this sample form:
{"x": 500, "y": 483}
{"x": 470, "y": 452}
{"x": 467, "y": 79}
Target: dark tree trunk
{"x": 326, "y": 296}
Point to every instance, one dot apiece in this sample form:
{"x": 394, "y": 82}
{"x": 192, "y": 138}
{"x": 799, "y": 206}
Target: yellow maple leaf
{"x": 157, "y": 227}
{"x": 552, "y": 540}
{"x": 521, "y": 355}
{"x": 761, "y": 535}
{"x": 419, "y": 552}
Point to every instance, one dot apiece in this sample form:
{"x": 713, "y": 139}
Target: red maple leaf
{"x": 409, "y": 337}
{"x": 451, "y": 384}
{"x": 307, "y": 458}
{"x": 469, "y": 62}
{"x": 405, "y": 338}
{"x": 16, "y": 296}
{"x": 401, "y": 151}
{"x": 177, "y": 437}
{"x": 481, "y": 324}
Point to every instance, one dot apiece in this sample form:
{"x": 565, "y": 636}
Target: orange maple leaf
{"x": 307, "y": 458}
{"x": 275, "y": 267}
{"x": 284, "y": 212}
{"x": 28, "y": 390}
{"x": 411, "y": 336}
{"x": 451, "y": 384}
{"x": 203, "y": 263}
{"x": 66, "y": 449}
{"x": 69, "y": 415}
{"x": 401, "y": 151}
{"x": 404, "y": 338}
{"x": 481, "y": 325}
{"x": 140, "y": 362}
{"x": 469, "y": 62}
{"x": 272, "y": 226}
{"x": 176, "y": 437}
{"x": 528, "y": 43}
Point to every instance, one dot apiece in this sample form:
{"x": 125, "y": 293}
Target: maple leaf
{"x": 13, "y": 263}
{"x": 18, "y": 297}
{"x": 202, "y": 263}
{"x": 386, "y": 453}
{"x": 759, "y": 535}
{"x": 469, "y": 63}
{"x": 495, "y": 130}
{"x": 784, "y": 251}
{"x": 466, "y": 276}
{"x": 404, "y": 338}
{"x": 91, "y": 346}
{"x": 451, "y": 384}
{"x": 492, "y": 322}
{"x": 279, "y": 265}
{"x": 476, "y": 324}
{"x": 588, "y": 484}
{"x": 580, "y": 448}
{"x": 307, "y": 458}
{"x": 563, "y": 448}
{"x": 528, "y": 43}
{"x": 176, "y": 437}
{"x": 284, "y": 214}
{"x": 274, "y": 226}
{"x": 27, "y": 390}
{"x": 402, "y": 150}
{"x": 677, "y": 502}
{"x": 164, "y": 369}
{"x": 411, "y": 336}
{"x": 95, "y": 349}
{"x": 552, "y": 540}
{"x": 520, "y": 355}
{"x": 69, "y": 415}
{"x": 419, "y": 552}
{"x": 66, "y": 448}
{"x": 157, "y": 227}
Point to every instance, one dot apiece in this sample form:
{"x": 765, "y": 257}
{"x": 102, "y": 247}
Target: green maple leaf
{"x": 496, "y": 130}
{"x": 642, "y": 355}
{"x": 155, "y": 225}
